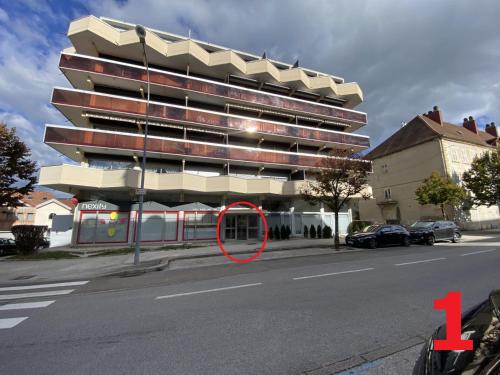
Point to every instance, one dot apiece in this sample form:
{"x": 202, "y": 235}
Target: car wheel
{"x": 456, "y": 237}
{"x": 430, "y": 240}
{"x": 372, "y": 244}
{"x": 406, "y": 242}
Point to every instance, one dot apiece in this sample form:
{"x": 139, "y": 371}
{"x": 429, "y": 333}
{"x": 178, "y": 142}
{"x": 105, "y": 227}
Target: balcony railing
{"x": 177, "y": 147}
{"x": 229, "y": 92}
{"x": 109, "y": 103}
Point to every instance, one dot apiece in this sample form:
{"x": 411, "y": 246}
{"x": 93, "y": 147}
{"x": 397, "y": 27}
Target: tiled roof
{"x": 67, "y": 202}
{"x": 34, "y": 198}
{"x": 422, "y": 129}
{"x": 458, "y": 133}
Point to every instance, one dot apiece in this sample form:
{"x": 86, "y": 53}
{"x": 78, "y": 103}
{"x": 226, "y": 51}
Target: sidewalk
{"x": 15, "y": 271}
{"x": 89, "y": 266}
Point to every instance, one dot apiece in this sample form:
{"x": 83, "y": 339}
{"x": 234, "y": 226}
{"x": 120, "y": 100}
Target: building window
{"x": 30, "y": 217}
{"x": 19, "y": 216}
{"x": 387, "y": 194}
{"x": 51, "y": 216}
{"x": 384, "y": 168}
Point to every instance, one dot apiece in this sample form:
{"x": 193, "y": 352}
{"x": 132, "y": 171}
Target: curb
{"x": 163, "y": 263}
{"x": 365, "y": 358}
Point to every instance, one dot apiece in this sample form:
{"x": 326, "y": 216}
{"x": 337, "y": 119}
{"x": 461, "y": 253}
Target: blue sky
{"x": 406, "y": 55}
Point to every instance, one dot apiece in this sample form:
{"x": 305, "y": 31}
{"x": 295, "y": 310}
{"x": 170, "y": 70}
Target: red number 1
{"x": 452, "y": 305}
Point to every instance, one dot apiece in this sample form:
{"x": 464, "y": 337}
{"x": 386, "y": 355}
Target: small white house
{"x": 46, "y": 211}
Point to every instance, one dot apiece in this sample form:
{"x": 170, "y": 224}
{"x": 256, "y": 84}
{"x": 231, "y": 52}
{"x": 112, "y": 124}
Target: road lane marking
{"x": 4, "y": 297}
{"x": 27, "y": 305}
{"x": 419, "y": 261}
{"x": 11, "y": 322}
{"x": 332, "y": 274}
{"x": 477, "y": 252}
{"x": 208, "y": 291}
{"x": 43, "y": 286}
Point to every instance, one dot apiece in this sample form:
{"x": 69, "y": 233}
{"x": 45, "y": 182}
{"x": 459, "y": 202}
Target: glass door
{"x": 241, "y": 227}
{"x": 230, "y": 227}
{"x": 253, "y": 226}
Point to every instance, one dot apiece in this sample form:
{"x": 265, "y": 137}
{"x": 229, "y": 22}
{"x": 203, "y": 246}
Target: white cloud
{"x": 29, "y": 133}
{"x": 4, "y": 17}
{"x": 28, "y": 70}
{"x": 407, "y": 55}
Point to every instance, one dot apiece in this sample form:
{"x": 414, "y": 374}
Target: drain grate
{"x": 24, "y": 277}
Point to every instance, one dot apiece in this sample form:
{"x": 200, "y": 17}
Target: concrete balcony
{"x": 71, "y": 178}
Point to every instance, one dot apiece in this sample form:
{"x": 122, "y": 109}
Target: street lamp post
{"x": 141, "y": 33}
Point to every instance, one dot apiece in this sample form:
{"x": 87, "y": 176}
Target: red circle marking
{"x": 217, "y": 229}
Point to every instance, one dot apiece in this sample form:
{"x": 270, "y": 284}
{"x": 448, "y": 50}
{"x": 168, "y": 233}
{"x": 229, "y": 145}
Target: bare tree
{"x": 340, "y": 176}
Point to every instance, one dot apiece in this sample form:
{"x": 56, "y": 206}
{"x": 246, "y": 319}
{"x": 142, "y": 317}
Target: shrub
{"x": 28, "y": 238}
{"x": 288, "y": 232}
{"x": 277, "y": 233}
{"x": 318, "y": 231}
{"x": 312, "y": 231}
{"x": 327, "y": 232}
{"x": 357, "y": 225}
{"x": 270, "y": 234}
{"x": 283, "y": 232}
{"x": 306, "y": 232}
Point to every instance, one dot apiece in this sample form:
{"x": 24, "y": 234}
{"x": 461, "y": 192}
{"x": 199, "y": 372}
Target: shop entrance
{"x": 242, "y": 226}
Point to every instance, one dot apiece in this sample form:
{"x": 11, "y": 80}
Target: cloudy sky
{"x": 406, "y": 55}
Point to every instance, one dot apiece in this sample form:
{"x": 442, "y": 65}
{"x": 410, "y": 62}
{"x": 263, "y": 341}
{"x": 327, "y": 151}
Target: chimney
{"x": 492, "y": 129}
{"x": 435, "y": 115}
{"x": 470, "y": 124}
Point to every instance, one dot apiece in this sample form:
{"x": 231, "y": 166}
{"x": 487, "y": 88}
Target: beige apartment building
{"x": 426, "y": 144}
{"x": 224, "y": 126}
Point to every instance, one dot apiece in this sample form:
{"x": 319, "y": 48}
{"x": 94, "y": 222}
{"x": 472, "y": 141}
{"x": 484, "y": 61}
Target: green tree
{"x": 483, "y": 179}
{"x": 440, "y": 191}
{"x": 277, "y": 233}
{"x": 339, "y": 177}
{"x": 312, "y": 231}
{"x": 17, "y": 171}
{"x": 327, "y": 231}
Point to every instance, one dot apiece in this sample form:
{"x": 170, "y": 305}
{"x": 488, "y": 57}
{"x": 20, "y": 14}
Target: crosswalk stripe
{"x": 4, "y": 297}
{"x": 27, "y": 305}
{"x": 11, "y": 322}
{"x": 43, "y": 286}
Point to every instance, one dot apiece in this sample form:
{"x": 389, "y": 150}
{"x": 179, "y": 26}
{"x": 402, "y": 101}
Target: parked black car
{"x": 45, "y": 243}
{"x": 7, "y": 246}
{"x": 377, "y": 235}
{"x": 480, "y": 324}
{"x": 429, "y": 232}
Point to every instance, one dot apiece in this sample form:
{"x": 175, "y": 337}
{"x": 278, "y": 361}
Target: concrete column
{"x": 76, "y": 225}
{"x": 180, "y": 227}
{"x": 223, "y": 222}
{"x": 261, "y": 225}
{"x": 292, "y": 221}
{"x": 322, "y": 212}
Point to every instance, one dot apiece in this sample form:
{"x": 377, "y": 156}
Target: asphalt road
{"x": 272, "y": 317}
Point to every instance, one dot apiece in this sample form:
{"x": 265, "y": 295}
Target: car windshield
{"x": 422, "y": 224}
{"x": 371, "y": 228}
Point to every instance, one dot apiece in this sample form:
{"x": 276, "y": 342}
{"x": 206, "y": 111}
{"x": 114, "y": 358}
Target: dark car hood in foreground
{"x": 480, "y": 324}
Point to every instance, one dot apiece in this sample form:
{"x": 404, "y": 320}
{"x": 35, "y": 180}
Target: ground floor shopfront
{"x": 102, "y": 222}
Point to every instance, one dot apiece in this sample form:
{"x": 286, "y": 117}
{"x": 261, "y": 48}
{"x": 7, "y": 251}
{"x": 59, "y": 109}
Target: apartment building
{"x": 425, "y": 144}
{"x": 224, "y": 126}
